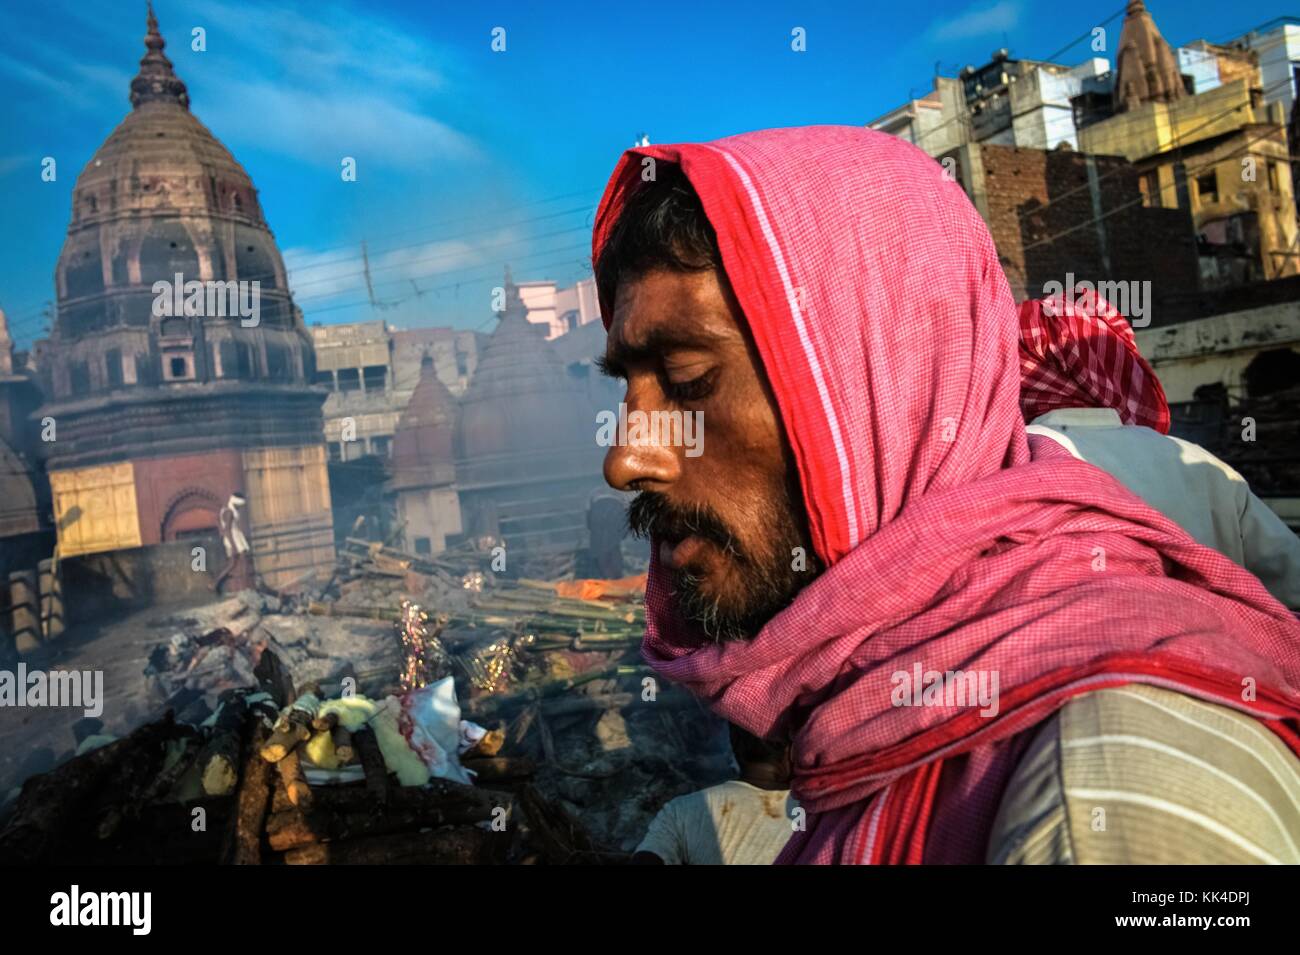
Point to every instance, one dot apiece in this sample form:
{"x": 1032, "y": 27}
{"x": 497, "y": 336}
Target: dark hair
{"x": 662, "y": 226}
{"x": 750, "y": 749}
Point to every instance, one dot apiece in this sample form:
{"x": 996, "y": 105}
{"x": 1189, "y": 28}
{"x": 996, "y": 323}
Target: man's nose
{"x": 642, "y": 466}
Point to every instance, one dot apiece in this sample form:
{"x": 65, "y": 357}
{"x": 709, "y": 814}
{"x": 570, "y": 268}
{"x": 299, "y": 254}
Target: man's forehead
{"x": 664, "y": 315}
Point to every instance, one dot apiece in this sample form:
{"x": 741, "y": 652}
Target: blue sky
{"x": 469, "y": 159}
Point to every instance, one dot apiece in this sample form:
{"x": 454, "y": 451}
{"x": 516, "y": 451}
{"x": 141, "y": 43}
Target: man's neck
{"x": 764, "y": 777}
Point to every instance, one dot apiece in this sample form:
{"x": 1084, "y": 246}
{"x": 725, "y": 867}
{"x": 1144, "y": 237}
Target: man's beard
{"x": 766, "y": 586}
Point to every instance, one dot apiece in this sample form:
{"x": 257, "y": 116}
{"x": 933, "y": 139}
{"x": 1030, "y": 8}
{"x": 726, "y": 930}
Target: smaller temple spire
{"x": 156, "y": 82}
{"x": 514, "y": 303}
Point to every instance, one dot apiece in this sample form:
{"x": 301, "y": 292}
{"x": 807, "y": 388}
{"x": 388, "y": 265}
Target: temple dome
{"x": 161, "y": 196}
{"x": 522, "y": 403}
{"x": 422, "y": 444}
{"x": 1146, "y": 69}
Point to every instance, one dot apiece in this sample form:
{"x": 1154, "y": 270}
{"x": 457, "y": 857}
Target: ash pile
{"x": 412, "y": 710}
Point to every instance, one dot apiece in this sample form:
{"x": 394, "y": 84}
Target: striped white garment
{"x": 1141, "y": 775}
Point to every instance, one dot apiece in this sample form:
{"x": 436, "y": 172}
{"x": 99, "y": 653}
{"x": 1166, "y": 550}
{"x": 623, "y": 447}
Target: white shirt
{"x": 730, "y": 824}
{"x": 1187, "y": 484}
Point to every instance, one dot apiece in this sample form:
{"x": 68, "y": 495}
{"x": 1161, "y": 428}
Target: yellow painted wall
{"x": 1159, "y": 127}
{"x": 95, "y": 509}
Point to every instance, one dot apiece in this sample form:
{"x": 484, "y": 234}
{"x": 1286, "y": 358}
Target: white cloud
{"x": 323, "y": 125}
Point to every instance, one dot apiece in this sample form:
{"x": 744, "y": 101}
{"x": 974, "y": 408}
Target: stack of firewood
{"x": 235, "y": 791}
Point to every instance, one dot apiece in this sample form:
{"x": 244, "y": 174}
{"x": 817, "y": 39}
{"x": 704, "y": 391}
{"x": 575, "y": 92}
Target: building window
{"x": 79, "y": 378}
{"x": 349, "y": 379}
{"x": 178, "y": 366}
{"x": 380, "y": 446}
{"x": 325, "y": 378}
{"x": 113, "y": 367}
{"x": 1149, "y": 186}
{"x": 244, "y": 360}
{"x": 335, "y": 455}
{"x": 279, "y": 363}
{"x": 423, "y": 545}
{"x": 1207, "y": 187}
{"x": 375, "y": 377}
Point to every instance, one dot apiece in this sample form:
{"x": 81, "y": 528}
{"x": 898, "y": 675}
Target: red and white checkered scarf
{"x": 889, "y": 335}
{"x": 1077, "y": 351}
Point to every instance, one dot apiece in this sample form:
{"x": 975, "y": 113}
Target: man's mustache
{"x": 652, "y": 515}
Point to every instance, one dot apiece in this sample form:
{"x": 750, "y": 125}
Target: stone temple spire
{"x": 1145, "y": 67}
{"x": 157, "y": 82}
{"x": 514, "y": 302}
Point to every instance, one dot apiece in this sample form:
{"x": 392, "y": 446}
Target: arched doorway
{"x": 192, "y": 513}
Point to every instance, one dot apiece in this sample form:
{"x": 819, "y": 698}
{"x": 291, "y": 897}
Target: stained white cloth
{"x": 1189, "y": 485}
{"x": 730, "y": 824}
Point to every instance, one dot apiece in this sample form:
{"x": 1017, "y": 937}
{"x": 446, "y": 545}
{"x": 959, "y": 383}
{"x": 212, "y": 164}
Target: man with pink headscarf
{"x": 1085, "y": 385}
{"x": 979, "y": 647}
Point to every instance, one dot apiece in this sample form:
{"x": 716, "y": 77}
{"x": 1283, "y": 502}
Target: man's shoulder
{"x": 1140, "y": 774}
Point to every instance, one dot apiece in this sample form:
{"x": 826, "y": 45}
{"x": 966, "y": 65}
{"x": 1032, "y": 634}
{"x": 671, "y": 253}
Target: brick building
{"x": 1058, "y": 212}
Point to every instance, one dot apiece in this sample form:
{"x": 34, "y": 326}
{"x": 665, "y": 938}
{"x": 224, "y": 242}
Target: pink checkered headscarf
{"x": 1077, "y": 351}
{"x": 890, "y": 338}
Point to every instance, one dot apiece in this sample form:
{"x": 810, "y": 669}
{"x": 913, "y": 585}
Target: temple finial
{"x": 156, "y": 82}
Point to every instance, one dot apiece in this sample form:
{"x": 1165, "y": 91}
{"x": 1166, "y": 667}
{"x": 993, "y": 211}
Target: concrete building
{"x": 937, "y": 122}
{"x": 25, "y": 531}
{"x": 1006, "y": 102}
{"x": 161, "y": 417}
{"x": 1222, "y": 154}
{"x": 1277, "y": 48}
{"x": 371, "y": 371}
{"x": 559, "y": 310}
{"x": 1233, "y": 383}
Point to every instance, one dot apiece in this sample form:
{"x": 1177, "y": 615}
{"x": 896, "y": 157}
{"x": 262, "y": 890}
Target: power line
{"x": 1178, "y": 148}
{"x": 1127, "y": 205}
{"x": 1034, "y": 67}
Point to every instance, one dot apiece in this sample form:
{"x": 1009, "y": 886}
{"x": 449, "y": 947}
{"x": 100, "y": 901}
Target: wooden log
{"x": 490, "y": 744}
{"x": 295, "y": 784}
{"x": 167, "y": 778}
{"x": 273, "y": 677}
{"x": 586, "y": 704}
{"x": 457, "y": 801}
{"x": 491, "y": 769}
{"x": 460, "y": 846}
{"x": 372, "y": 762}
{"x": 343, "y": 746}
{"x": 244, "y": 843}
{"x": 55, "y": 806}
{"x": 219, "y": 759}
{"x": 294, "y": 724}
{"x": 292, "y": 829}
{"x": 283, "y": 742}
{"x": 561, "y": 838}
